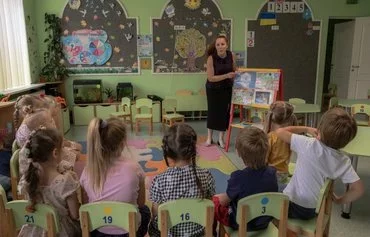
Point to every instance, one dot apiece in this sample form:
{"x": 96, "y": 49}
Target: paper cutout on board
{"x": 192, "y": 4}
{"x": 267, "y": 19}
{"x": 74, "y": 4}
{"x": 87, "y": 47}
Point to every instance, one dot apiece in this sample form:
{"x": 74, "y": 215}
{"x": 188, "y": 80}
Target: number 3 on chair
{"x": 263, "y": 210}
{"x": 185, "y": 217}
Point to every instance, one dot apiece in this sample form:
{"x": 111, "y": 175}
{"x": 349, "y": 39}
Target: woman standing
{"x": 220, "y": 72}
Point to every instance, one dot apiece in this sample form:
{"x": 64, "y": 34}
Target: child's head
{"x": 336, "y": 128}
{"x": 39, "y": 118}
{"x": 280, "y": 115}
{"x": 43, "y": 146}
{"x": 106, "y": 140}
{"x": 180, "y": 144}
{"x": 24, "y": 105}
{"x": 252, "y": 145}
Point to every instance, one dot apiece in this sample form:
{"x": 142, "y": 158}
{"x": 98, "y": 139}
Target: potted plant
{"x": 54, "y": 68}
{"x": 109, "y": 93}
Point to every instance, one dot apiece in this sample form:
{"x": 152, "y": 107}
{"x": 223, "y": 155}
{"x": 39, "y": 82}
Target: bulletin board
{"x": 183, "y": 33}
{"x": 285, "y": 36}
{"x": 99, "y": 37}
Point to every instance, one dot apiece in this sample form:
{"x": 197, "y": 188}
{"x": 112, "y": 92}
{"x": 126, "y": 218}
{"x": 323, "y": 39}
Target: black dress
{"x": 219, "y": 94}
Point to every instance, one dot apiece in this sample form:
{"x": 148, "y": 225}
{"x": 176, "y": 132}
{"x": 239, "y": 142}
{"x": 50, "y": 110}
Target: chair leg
{"x": 151, "y": 127}
{"x": 136, "y": 128}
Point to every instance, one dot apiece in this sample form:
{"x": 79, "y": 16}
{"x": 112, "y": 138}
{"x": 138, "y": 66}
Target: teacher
{"x": 220, "y": 73}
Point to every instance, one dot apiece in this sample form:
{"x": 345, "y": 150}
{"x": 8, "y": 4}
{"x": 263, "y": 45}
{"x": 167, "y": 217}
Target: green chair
{"x": 318, "y": 226}
{"x": 99, "y": 214}
{"x": 144, "y": 117}
{"x": 3, "y": 201}
{"x": 333, "y": 102}
{"x": 200, "y": 211}
{"x": 14, "y": 174}
{"x": 15, "y": 146}
{"x": 125, "y": 114}
{"x": 361, "y": 113}
{"x": 262, "y": 204}
{"x": 44, "y": 217}
{"x": 296, "y": 101}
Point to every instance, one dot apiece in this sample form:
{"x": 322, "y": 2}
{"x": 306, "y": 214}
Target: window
{"x": 14, "y": 62}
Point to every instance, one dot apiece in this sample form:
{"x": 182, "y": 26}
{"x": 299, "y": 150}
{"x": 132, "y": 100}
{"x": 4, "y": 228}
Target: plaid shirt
{"x": 176, "y": 183}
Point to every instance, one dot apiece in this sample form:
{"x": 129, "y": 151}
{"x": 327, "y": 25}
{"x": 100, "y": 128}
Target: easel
{"x": 278, "y": 95}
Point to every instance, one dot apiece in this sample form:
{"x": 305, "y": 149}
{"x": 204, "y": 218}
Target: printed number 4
{"x": 29, "y": 219}
{"x": 108, "y": 219}
{"x": 185, "y": 217}
{"x": 263, "y": 210}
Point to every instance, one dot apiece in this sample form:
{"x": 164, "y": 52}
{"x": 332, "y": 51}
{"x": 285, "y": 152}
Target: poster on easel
{"x": 253, "y": 86}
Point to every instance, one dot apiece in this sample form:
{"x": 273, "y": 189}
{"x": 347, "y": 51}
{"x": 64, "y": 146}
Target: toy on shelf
{"x": 254, "y": 89}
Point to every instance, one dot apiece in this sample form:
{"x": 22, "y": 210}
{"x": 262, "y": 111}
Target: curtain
{"x": 14, "y": 61}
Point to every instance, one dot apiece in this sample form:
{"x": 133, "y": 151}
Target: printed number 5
{"x": 108, "y": 219}
{"x": 185, "y": 217}
{"x": 263, "y": 210}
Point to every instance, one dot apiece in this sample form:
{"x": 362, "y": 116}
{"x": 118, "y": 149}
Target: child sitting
{"x": 44, "y": 184}
{"x": 5, "y": 156}
{"x": 257, "y": 177}
{"x": 182, "y": 179}
{"x": 280, "y": 115}
{"x": 110, "y": 176}
{"x": 319, "y": 158}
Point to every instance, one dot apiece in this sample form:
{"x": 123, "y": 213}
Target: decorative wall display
{"x": 146, "y": 63}
{"x": 145, "y": 45}
{"x": 33, "y": 53}
{"x": 99, "y": 37}
{"x": 286, "y": 31}
{"x": 183, "y": 33}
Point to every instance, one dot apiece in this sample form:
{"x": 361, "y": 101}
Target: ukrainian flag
{"x": 267, "y": 18}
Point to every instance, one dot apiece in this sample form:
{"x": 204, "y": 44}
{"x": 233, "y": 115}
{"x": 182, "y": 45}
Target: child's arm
{"x": 223, "y": 199}
{"x": 73, "y": 206}
{"x": 285, "y": 133}
{"x": 355, "y": 191}
{"x": 141, "y": 197}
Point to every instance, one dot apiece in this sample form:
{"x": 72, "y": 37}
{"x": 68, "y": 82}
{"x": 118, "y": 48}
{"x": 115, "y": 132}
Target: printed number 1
{"x": 185, "y": 217}
{"x": 263, "y": 210}
{"x": 108, "y": 219}
{"x": 29, "y": 219}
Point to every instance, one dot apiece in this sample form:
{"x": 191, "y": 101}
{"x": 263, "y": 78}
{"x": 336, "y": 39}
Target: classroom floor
{"x": 358, "y": 225}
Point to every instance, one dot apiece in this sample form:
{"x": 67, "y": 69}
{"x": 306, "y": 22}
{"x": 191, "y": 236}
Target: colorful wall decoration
{"x": 287, "y": 33}
{"x": 183, "y": 33}
{"x": 99, "y": 37}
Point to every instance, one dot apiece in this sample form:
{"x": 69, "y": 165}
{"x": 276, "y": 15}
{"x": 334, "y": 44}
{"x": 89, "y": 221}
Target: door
{"x": 342, "y": 57}
{"x": 360, "y": 68}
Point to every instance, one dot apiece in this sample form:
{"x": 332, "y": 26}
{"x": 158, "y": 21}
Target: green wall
{"x": 238, "y": 10}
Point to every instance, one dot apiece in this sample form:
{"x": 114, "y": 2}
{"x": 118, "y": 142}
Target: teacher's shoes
{"x": 221, "y": 144}
{"x": 208, "y": 143}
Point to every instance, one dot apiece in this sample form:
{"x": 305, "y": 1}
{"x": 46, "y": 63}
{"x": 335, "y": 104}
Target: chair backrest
{"x": 332, "y": 89}
{"x": 296, "y": 101}
{"x": 144, "y": 102}
{"x": 361, "y": 113}
{"x": 323, "y": 208}
{"x": 15, "y": 146}
{"x": 44, "y": 217}
{"x": 333, "y": 102}
{"x": 200, "y": 211}
{"x": 169, "y": 105}
{"x": 126, "y": 104}
{"x": 263, "y": 204}
{"x": 3, "y": 202}
{"x": 107, "y": 213}
{"x": 324, "y": 192}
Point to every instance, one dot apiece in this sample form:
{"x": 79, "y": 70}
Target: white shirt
{"x": 315, "y": 163}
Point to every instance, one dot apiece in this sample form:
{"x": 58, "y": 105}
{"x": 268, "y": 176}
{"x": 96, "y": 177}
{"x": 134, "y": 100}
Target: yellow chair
{"x": 296, "y": 101}
{"x": 3, "y": 201}
{"x": 107, "y": 213}
{"x": 262, "y": 204}
{"x": 14, "y": 174}
{"x": 361, "y": 113}
{"x": 318, "y": 226}
{"x": 44, "y": 217}
{"x": 169, "y": 115}
{"x": 144, "y": 117}
{"x": 125, "y": 114}
{"x": 200, "y": 211}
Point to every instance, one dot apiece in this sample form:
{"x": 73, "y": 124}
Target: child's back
{"x": 182, "y": 179}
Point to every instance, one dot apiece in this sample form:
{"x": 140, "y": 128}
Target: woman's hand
{"x": 230, "y": 75}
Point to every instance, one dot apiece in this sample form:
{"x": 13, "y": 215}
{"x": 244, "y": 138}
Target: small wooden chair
{"x": 296, "y": 101}
{"x": 200, "y": 211}
{"x": 3, "y": 201}
{"x": 14, "y": 174}
{"x": 318, "y": 226}
{"x": 262, "y": 204}
{"x": 15, "y": 146}
{"x": 107, "y": 213}
{"x": 125, "y": 114}
{"x": 361, "y": 113}
{"x": 169, "y": 115}
{"x": 45, "y": 217}
{"x": 144, "y": 117}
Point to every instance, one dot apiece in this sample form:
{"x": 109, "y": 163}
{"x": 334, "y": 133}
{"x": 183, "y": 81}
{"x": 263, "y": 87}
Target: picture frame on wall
{"x": 146, "y": 63}
{"x": 263, "y": 97}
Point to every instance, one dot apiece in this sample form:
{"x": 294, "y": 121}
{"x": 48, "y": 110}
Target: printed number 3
{"x": 185, "y": 217}
{"x": 29, "y": 219}
{"x": 263, "y": 210}
{"x": 108, "y": 219}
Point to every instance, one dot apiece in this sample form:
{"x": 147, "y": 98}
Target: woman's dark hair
{"x": 212, "y": 47}
{"x": 180, "y": 143}
{"x": 40, "y": 146}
